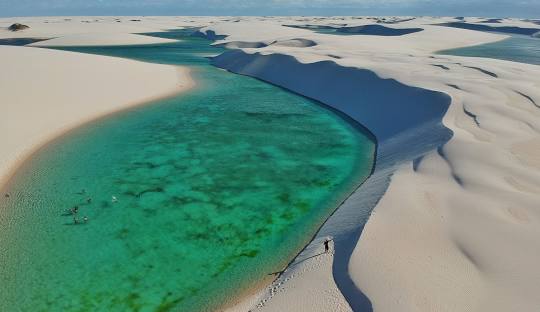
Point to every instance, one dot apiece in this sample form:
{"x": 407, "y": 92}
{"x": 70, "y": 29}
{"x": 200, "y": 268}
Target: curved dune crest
{"x": 99, "y": 39}
{"x": 370, "y": 29}
{"x": 455, "y": 218}
{"x": 377, "y": 30}
{"x": 292, "y": 43}
{"x": 407, "y": 123}
{"x": 295, "y": 43}
{"x": 62, "y": 99}
{"x": 502, "y": 29}
{"x": 340, "y": 88}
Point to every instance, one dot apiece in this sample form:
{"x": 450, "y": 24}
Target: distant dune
{"x": 501, "y": 29}
{"x": 99, "y": 39}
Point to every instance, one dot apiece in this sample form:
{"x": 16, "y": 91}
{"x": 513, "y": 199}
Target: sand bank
{"x": 46, "y": 92}
{"x": 99, "y": 39}
{"x": 85, "y": 31}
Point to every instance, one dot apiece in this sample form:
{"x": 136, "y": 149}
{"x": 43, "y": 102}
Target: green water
{"x": 216, "y": 188}
{"x": 322, "y": 29}
{"x": 524, "y": 49}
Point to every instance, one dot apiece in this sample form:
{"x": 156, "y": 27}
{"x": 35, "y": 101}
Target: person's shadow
{"x": 278, "y": 273}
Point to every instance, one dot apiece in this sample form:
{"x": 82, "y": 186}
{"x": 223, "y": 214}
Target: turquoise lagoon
{"x": 216, "y": 188}
{"x": 518, "y": 48}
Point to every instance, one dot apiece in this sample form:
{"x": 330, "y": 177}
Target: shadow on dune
{"x": 500, "y": 29}
{"x": 293, "y": 43}
{"x": 377, "y": 30}
{"x": 241, "y": 45}
{"x": 209, "y": 34}
{"x": 372, "y": 30}
{"x": 386, "y": 107}
{"x": 406, "y": 123}
{"x": 19, "y": 41}
{"x": 491, "y": 21}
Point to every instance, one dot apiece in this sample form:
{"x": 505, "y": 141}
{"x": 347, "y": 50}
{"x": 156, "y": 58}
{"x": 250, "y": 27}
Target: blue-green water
{"x": 517, "y": 48}
{"x": 18, "y": 41}
{"x": 321, "y": 29}
{"x": 372, "y": 30}
{"x": 216, "y": 188}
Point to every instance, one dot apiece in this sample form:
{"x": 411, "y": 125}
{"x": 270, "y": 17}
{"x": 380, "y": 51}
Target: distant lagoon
{"x": 518, "y": 48}
{"x": 372, "y": 30}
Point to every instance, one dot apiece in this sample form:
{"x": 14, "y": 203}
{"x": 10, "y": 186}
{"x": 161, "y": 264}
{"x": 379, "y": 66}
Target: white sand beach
{"x": 456, "y": 219}
{"x": 47, "y": 92}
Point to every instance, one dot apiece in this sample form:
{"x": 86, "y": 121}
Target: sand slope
{"x": 45, "y": 92}
{"x": 87, "y": 31}
{"x": 96, "y": 39}
{"x": 457, "y": 226}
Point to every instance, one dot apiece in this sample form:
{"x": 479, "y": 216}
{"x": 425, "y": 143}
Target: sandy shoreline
{"x": 61, "y": 101}
{"x": 6, "y": 177}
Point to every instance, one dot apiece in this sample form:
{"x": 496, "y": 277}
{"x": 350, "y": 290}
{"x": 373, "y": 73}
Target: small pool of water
{"x": 370, "y": 30}
{"x": 524, "y": 49}
{"x": 190, "y": 200}
{"x": 19, "y": 41}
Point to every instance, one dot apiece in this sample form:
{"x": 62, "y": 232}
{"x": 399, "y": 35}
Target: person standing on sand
{"x": 326, "y": 247}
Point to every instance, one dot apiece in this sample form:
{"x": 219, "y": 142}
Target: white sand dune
{"x": 68, "y": 89}
{"x": 456, "y": 189}
{"x": 46, "y": 92}
{"x": 97, "y": 39}
{"x": 97, "y": 30}
{"x": 456, "y": 226}
{"x": 295, "y": 43}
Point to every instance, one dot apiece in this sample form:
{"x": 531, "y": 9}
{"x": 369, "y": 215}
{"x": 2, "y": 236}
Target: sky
{"x": 486, "y": 8}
